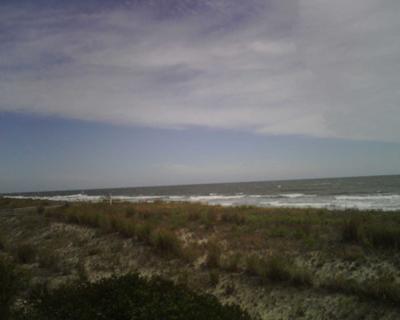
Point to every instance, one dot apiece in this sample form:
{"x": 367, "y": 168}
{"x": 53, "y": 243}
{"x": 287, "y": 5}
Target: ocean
{"x": 364, "y": 193}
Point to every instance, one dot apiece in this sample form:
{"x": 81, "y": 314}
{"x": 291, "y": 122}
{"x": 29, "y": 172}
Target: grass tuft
{"x": 166, "y": 242}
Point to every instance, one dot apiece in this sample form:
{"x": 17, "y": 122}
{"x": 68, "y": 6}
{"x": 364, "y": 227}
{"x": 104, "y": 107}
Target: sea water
{"x": 365, "y": 193}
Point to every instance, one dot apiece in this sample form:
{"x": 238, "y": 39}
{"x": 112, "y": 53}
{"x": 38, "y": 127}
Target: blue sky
{"x": 47, "y": 153}
{"x": 129, "y": 93}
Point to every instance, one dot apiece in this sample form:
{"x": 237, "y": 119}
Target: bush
{"x": 125, "y": 298}
{"x": 2, "y": 243}
{"x": 130, "y": 212}
{"x": 383, "y": 235}
{"x": 40, "y": 209}
{"x": 351, "y": 231}
{"x": 8, "y": 287}
{"x": 233, "y": 217}
{"x": 376, "y": 234}
{"x": 276, "y": 269}
{"x": 25, "y": 253}
{"x": 166, "y": 242}
{"x": 143, "y": 231}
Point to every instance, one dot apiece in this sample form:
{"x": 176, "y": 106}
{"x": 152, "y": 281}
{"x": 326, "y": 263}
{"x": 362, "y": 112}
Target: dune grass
{"x": 12, "y": 203}
{"x": 373, "y": 232}
{"x": 238, "y": 236}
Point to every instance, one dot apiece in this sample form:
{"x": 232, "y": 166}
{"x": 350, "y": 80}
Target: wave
{"x": 386, "y": 202}
{"x": 369, "y": 197}
{"x": 296, "y": 195}
{"x": 216, "y": 197}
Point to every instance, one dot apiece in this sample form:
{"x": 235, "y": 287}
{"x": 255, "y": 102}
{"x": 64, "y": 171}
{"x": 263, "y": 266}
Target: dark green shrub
{"x": 2, "y": 243}
{"x": 40, "y": 209}
{"x": 130, "y": 212}
{"x": 351, "y": 231}
{"x": 383, "y": 235}
{"x": 300, "y": 277}
{"x": 233, "y": 217}
{"x": 276, "y": 269}
{"x": 8, "y": 287}
{"x": 143, "y": 231}
{"x": 126, "y": 298}
{"x": 25, "y": 253}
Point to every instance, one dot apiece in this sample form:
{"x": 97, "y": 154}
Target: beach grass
{"x": 260, "y": 242}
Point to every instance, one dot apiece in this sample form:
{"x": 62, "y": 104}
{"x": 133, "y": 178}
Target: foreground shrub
{"x": 8, "y": 287}
{"x": 126, "y": 298}
{"x": 25, "y": 253}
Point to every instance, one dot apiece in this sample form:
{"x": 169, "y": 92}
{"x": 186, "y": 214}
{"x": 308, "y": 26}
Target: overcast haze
{"x": 183, "y": 91}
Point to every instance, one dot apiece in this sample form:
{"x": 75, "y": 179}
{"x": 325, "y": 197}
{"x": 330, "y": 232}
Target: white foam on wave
{"x": 369, "y": 197}
{"x": 213, "y": 197}
{"x": 281, "y": 204}
{"x": 296, "y": 195}
{"x": 69, "y": 198}
{"x": 386, "y": 202}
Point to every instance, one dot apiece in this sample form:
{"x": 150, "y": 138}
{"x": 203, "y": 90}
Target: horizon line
{"x": 193, "y": 184}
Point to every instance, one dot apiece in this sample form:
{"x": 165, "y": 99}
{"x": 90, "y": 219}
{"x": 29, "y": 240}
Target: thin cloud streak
{"x": 313, "y": 68}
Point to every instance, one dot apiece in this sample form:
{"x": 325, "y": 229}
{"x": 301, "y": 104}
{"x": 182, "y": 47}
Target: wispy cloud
{"x": 318, "y": 68}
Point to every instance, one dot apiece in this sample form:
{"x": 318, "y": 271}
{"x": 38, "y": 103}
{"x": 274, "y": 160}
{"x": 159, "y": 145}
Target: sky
{"x": 103, "y": 93}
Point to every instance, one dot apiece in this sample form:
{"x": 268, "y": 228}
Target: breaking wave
{"x": 386, "y": 202}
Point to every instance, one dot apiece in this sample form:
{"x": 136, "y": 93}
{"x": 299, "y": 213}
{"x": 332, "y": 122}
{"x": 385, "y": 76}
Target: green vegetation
{"x": 370, "y": 231}
{"x": 213, "y": 259}
{"x": 127, "y": 297}
{"x": 9, "y": 286}
{"x": 166, "y": 242}
{"x": 11, "y": 203}
{"x": 265, "y": 243}
{"x": 383, "y": 288}
{"x": 48, "y": 259}
{"x": 25, "y": 253}
{"x": 276, "y": 269}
